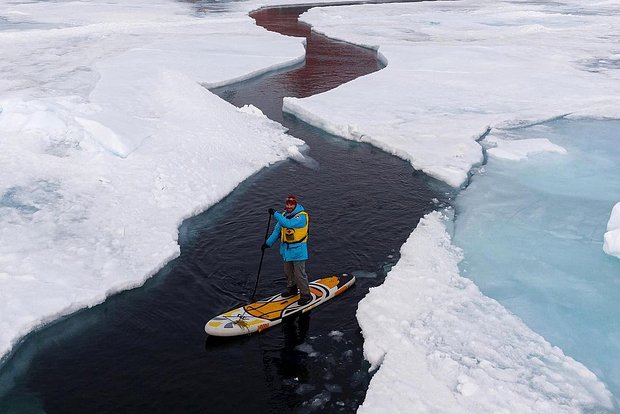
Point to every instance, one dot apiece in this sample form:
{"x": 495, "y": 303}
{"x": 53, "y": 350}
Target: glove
{"x": 271, "y": 211}
{"x": 264, "y": 246}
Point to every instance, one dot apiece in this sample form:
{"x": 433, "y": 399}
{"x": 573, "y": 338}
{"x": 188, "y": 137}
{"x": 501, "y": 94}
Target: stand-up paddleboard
{"x": 260, "y": 315}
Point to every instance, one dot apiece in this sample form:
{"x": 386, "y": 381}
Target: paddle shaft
{"x": 260, "y": 265}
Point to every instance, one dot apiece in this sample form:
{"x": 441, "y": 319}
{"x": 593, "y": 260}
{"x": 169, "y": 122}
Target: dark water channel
{"x": 145, "y": 351}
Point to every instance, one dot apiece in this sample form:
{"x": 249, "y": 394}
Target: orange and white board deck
{"x": 265, "y": 313}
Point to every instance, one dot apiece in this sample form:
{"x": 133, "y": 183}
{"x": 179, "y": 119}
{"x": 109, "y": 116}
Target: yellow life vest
{"x": 298, "y": 235}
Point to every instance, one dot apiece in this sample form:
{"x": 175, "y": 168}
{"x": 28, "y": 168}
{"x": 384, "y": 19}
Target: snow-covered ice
{"x": 458, "y": 72}
{"x": 108, "y": 141}
{"x": 444, "y": 347}
{"x": 612, "y": 236}
{"x": 533, "y": 232}
{"x": 454, "y": 69}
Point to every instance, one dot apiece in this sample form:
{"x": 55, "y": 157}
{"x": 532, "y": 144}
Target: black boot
{"x": 289, "y": 292}
{"x": 304, "y": 300}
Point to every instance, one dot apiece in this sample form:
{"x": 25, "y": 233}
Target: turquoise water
{"x": 532, "y": 232}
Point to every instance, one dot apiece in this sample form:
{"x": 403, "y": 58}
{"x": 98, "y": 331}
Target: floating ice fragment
{"x": 521, "y": 149}
{"x": 304, "y": 389}
{"x": 319, "y": 400}
{"x": 333, "y": 387}
{"x": 294, "y": 153}
{"x": 252, "y": 110}
{"x": 305, "y": 160}
{"x": 363, "y": 274}
{"x": 611, "y": 244}
{"x": 337, "y": 335}
{"x": 614, "y": 219}
{"x": 307, "y": 349}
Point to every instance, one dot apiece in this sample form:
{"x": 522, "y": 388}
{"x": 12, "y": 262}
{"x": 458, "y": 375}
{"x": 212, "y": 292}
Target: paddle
{"x": 260, "y": 265}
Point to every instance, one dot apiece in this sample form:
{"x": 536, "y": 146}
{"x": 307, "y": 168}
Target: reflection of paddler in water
{"x": 291, "y": 230}
{"x": 293, "y": 363}
{"x": 295, "y": 330}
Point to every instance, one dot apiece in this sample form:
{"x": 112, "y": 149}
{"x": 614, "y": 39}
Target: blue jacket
{"x": 294, "y": 251}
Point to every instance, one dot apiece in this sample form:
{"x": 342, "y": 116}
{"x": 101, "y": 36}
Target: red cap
{"x": 292, "y": 198}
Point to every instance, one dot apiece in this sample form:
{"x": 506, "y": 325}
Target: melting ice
{"x": 103, "y": 123}
{"x": 455, "y": 71}
{"x": 532, "y": 232}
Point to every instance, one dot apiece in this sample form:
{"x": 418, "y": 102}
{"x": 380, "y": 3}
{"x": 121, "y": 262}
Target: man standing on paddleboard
{"x": 291, "y": 230}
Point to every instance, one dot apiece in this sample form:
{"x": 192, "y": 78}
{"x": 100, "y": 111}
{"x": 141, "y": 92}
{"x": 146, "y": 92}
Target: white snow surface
{"x": 611, "y": 244}
{"x": 444, "y": 347}
{"x": 456, "y": 68}
{"x": 108, "y": 141}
